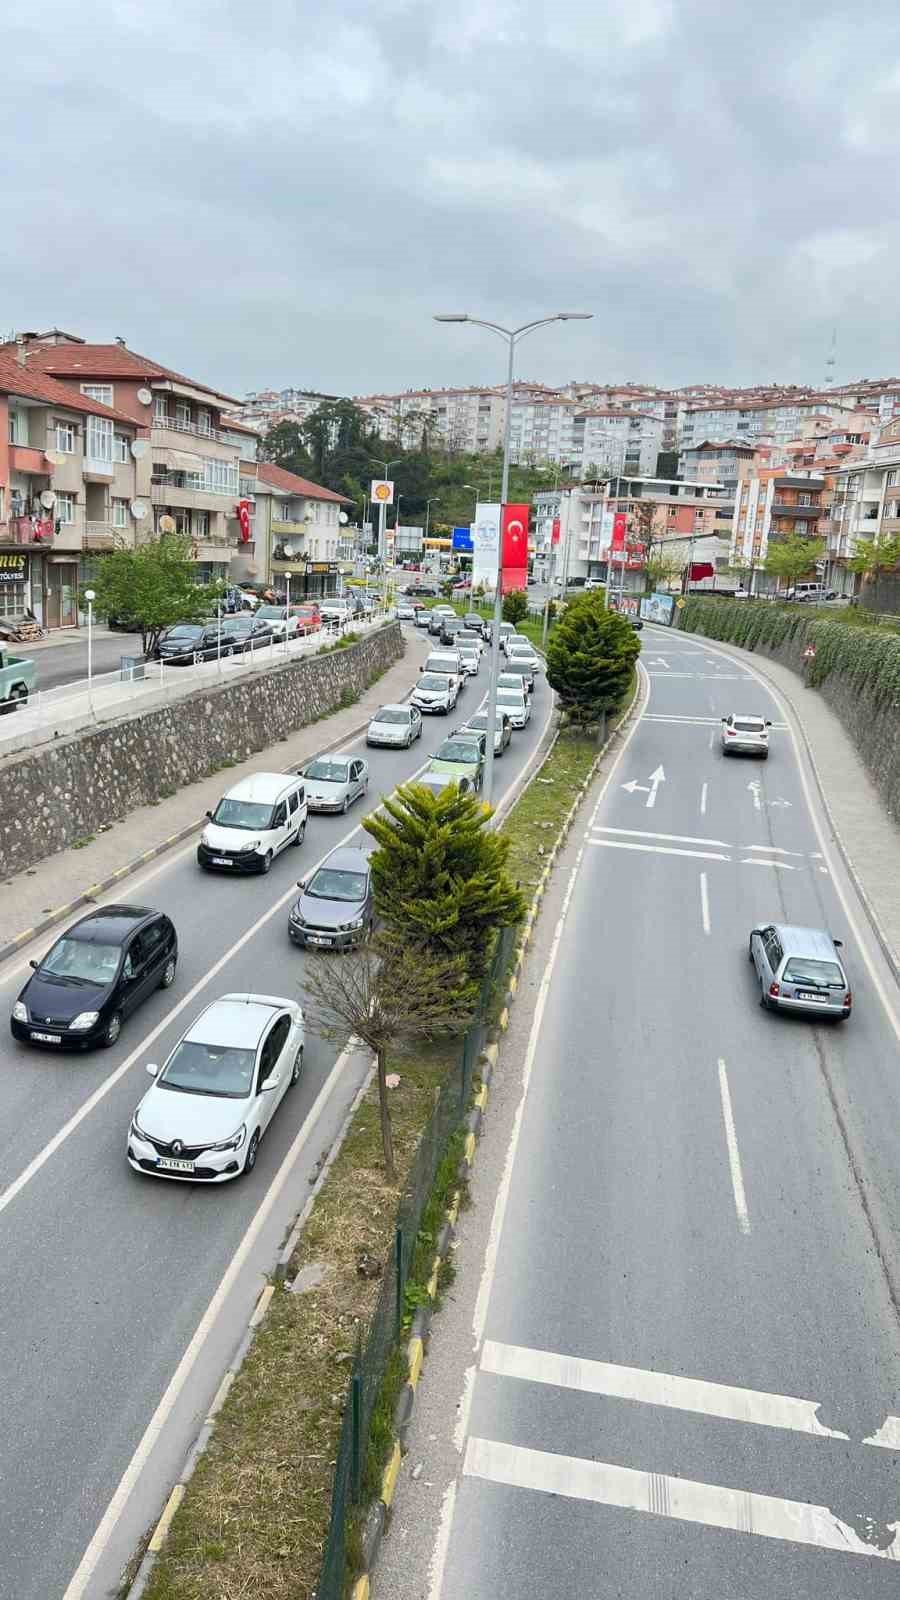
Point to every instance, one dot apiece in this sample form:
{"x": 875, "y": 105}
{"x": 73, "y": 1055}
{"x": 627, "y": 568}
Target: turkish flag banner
{"x": 243, "y": 511}
{"x": 513, "y": 547}
{"x": 702, "y": 569}
{"x": 620, "y": 524}
{"x": 554, "y": 535}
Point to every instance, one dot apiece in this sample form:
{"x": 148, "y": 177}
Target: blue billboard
{"x": 462, "y": 540}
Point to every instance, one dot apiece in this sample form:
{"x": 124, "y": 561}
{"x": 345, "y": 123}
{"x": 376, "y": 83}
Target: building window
{"x": 804, "y": 499}
{"x": 201, "y": 524}
{"x": 65, "y": 509}
{"x": 103, "y": 392}
{"x": 204, "y": 424}
{"x": 182, "y": 414}
{"x": 65, "y": 437}
{"x": 161, "y": 408}
{"x": 221, "y": 477}
{"x": 120, "y": 513}
{"x": 120, "y": 448}
{"x": 99, "y": 439}
{"x": 18, "y": 427}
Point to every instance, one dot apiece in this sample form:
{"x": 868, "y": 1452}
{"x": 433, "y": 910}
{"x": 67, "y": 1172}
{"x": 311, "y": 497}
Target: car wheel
{"x": 228, "y": 651}
{"x": 765, "y": 755}
{"x": 764, "y": 1000}
{"x": 750, "y": 952}
{"x": 266, "y": 862}
{"x": 168, "y": 977}
{"x": 346, "y": 806}
{"x": 298, "y": 836}
{"x": 18, "y": 696}
{"x": 113, "y": 1028}
{"x": 250, "y": 1157}
{"x": 297, "y": 1068}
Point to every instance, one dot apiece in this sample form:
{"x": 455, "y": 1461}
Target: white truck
{"x": 17, "y": 679}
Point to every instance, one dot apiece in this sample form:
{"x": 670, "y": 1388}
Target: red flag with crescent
{"x": 514, "y": 547}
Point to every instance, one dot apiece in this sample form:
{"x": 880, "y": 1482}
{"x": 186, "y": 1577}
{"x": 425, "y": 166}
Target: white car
{"x": 203, "y": 1117}
{"x": 334, "y": 782}
{"x": 516, "y": 705}
{"x": 435, "y": 692}
{"x": 470, "y": 659}
{"x": 523, "y": 652}
{"x": 745, "y": 735}
{"x": 395, "y": 726}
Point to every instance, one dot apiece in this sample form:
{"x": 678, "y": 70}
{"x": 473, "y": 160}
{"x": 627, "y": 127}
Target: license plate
{"x": 317, "y": 938}
{"x": 820, "y": 999}
{"x": 221, "y": 861}
{"x": 172, "y": 1164}
{"x": 47, "y": 1038}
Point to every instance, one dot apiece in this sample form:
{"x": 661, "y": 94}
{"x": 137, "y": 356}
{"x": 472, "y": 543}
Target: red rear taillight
{"x": 730, "y": 733}
{"x": 848, "y": 998}
{"x": 774, "y": 990}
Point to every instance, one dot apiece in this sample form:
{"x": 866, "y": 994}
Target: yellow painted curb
{"x": 503, "y": 1022}
{"x": 221, "y": 1396}
{"x": 513, "y": 983}
{"x": 469, "y": 1147}
{"x": 165, "y": 1521}
{"x": 481, "y": 1096}
{"x": 433, "y": 1280}
{"x": 361, "y": 1588}
{"x": 490, "y": 1053}
{"x": 415, "y": 1352}
{"x": 391, "y": 1473}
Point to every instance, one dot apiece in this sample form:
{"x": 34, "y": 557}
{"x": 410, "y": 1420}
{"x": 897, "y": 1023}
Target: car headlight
{"x": 246, "y": 848}
{"x": 20, "y": 1011}
{"x": 234, "y": 1143}
{"x": 136, "y": 1128}
{"x": 356, "y": 923}
{"x": 297, "y": 918}
{"x": 84, "y": 1020}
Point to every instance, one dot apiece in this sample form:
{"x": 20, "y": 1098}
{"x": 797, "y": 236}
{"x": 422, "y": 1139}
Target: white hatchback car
{"x": 203, "y": 1117}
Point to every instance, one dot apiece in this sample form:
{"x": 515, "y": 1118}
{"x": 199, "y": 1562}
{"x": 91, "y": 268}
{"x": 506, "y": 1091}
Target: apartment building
{"x": 463, "y": 420}
{"x": 194, "y": 465}
{"x": 689, "y": 521}
{"x": 617, "y": 440}
{"x": 717, "y": 461}
{"x": 263, "y": 409}
{"x": 774, "y": 503}
{"x": 865, "y": 506}
{"x": 299, "y": 531}
{"x": 74, "y": 476}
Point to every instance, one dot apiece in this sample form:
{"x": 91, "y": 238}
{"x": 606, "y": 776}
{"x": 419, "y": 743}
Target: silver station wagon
{"x": 799, "y": 969}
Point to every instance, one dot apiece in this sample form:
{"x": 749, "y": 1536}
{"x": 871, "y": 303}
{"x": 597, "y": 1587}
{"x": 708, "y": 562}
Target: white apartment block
{"x": 264, "y": 408}
{"x": 464, "y": 420}
{"x": 865, "y": 506}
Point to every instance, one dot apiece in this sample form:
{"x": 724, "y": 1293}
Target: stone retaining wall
{"x": 66, "y": 791}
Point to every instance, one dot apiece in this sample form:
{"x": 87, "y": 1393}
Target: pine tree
{"x": 590, "y": 658}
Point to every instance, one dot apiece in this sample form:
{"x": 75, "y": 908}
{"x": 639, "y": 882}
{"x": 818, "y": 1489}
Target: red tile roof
{"x": 280, "y": 478}
{"x": 16, "y": 379}
{"x": 105, "y": 361}
{"x": 237, "y": 425}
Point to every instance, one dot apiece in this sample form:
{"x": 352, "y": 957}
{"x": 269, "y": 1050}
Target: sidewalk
{"x": 61, "y": 636}
{"x": 52, "y": 889}
{"x": 865, "y": 834}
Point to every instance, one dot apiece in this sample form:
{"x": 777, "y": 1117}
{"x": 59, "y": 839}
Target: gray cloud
{"x": 285, "y": 193}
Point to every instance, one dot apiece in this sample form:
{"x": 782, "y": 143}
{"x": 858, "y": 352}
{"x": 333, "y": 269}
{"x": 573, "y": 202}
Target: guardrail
{"x": 49, "y": 713}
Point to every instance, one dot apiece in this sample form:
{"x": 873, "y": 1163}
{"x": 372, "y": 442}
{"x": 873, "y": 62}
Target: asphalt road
{"x": 67, "y": 663}
{"x": 106, "y": 1275}
{"x": 684, "y": 1373}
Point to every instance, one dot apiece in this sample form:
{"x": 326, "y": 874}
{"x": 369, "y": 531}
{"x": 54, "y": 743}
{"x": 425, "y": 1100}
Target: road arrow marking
{"x": 780, "y": 803}
{"x": 656, "y": 778}
{"x": 759, "y": 861}
{"x": 659, "y": 661}
{"x": 635, "y": 785}
{"x": 754, "y": 786}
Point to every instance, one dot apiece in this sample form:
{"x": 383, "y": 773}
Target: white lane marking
{"x": 675, "y": 717}
{"x": 755, "y": 788}
{"x": 68, "y": 1128}
{"x": 656, "y": 778}
{"x": 703, "y": 794}
{"x": 442, "y": 1543}
{"x": 888, "y": 1435}
{"x": 658, "y": 849}
{"x": 673, "y": 838}
{"x": 651, "y": 1388}
{"x": 734, "y": 1155}
{"x": 707, "y": 677}
{"x": 78, "y": 1584}
{"x": 704, "y": 902}
{"x": 712, "y": 737}
{"x": 759, "y": 861}
{"x": 814, "y": 813}
{"x": 683, "y": 1499}
{"x": 772, "y": 850}
{"x": 493, "y": 1245}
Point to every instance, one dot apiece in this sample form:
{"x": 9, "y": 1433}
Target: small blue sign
{"x": 462, "y": 539}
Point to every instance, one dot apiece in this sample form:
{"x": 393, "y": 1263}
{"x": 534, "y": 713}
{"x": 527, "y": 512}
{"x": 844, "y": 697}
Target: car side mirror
{"x": 209, "y": 814}
{"x": 33, "y": 965}
{"x": 152, "y": 1068}
{"x": 724, "y": 719}
{"x": 271, "y": 1083}
{"x": 301, "y": 883}
{"x": 838, "y": 944}
{"x": 768, "y": 723}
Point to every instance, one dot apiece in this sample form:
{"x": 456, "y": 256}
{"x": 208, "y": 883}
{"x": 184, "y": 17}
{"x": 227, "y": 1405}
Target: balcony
{"x": 36, "y": 531}
{"x": 782, "y": 508}
{"x": 97, "y": 471}
{"x": 32, "y": 462}
{"x": 174, "y": 437}
{"x": 170, "y": 424}
{"x": 291, "y": 530}
{"x": 101, "y": 536}
{"x": 166, "y": 494}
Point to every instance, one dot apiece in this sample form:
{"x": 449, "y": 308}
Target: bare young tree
{"x": 385, "y": 994}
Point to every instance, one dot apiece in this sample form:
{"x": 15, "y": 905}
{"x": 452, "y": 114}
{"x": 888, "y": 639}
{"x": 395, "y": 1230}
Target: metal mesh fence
{"x": 374, "y": 1351}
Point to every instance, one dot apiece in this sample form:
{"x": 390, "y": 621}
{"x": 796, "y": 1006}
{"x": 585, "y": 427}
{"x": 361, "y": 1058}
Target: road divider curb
{"x": 376, "y": 1519}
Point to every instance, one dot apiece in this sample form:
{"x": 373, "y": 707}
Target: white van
{"x": 256, "y": 819}
{"x": 806, "y": 591}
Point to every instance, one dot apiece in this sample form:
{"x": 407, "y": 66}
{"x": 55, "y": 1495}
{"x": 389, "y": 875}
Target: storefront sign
{"x": 13, "y": 566}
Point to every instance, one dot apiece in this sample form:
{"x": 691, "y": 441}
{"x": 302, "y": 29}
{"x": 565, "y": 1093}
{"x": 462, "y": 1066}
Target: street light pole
{"x": 90, "y": 597}
{"x": 512, "y": 337}
{"x": 287, "y": 610}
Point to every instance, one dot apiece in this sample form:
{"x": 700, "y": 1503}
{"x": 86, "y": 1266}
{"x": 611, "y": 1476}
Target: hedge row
{"x": 867, "y": 657}
{"x": 856, "y": 668}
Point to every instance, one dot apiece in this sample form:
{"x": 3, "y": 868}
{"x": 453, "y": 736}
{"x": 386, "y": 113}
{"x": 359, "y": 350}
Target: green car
{"x": 461, "y": 756}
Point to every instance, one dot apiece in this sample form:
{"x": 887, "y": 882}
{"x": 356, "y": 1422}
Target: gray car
{"x": 799, "y": 969}
{"x": 334, "y": 782}
{"x": 395, "y": 726}
{"x": 502, "y": 728}
{"x": 335, "y": 909}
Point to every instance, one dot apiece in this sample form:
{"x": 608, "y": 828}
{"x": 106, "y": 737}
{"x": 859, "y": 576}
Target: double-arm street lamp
{"x": 512, "y": 336}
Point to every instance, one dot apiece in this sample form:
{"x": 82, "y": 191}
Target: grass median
{"x": 256, "y": 1512}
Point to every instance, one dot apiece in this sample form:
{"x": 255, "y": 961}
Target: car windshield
{"x": 510, "y": 696}
{"x": 331, "y": 883}
{"x": 82, "y": 961}
{"x": 236, "y": 624}
{"x": 512, "y": 679}
{"x": 802, "y": 969}
{"x": 432, "y": 680}
{"x": 216, "y": 1069}
{"x": 327, "y": 771}
{"x": 249, "y": 814}
{"x": 745, "y": 725}
{"x": 458, "y": 750}
{"x": 273, "y": 613}
{"x": 187, "y": 630}
{"x": 391, "y": 717}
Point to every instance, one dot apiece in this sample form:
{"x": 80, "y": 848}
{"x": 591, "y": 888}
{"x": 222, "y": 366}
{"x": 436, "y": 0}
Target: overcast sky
{"x": 283, "y": 192}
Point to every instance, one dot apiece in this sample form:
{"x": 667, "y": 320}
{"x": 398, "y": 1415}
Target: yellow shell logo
{"x": 381, "y": 492}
